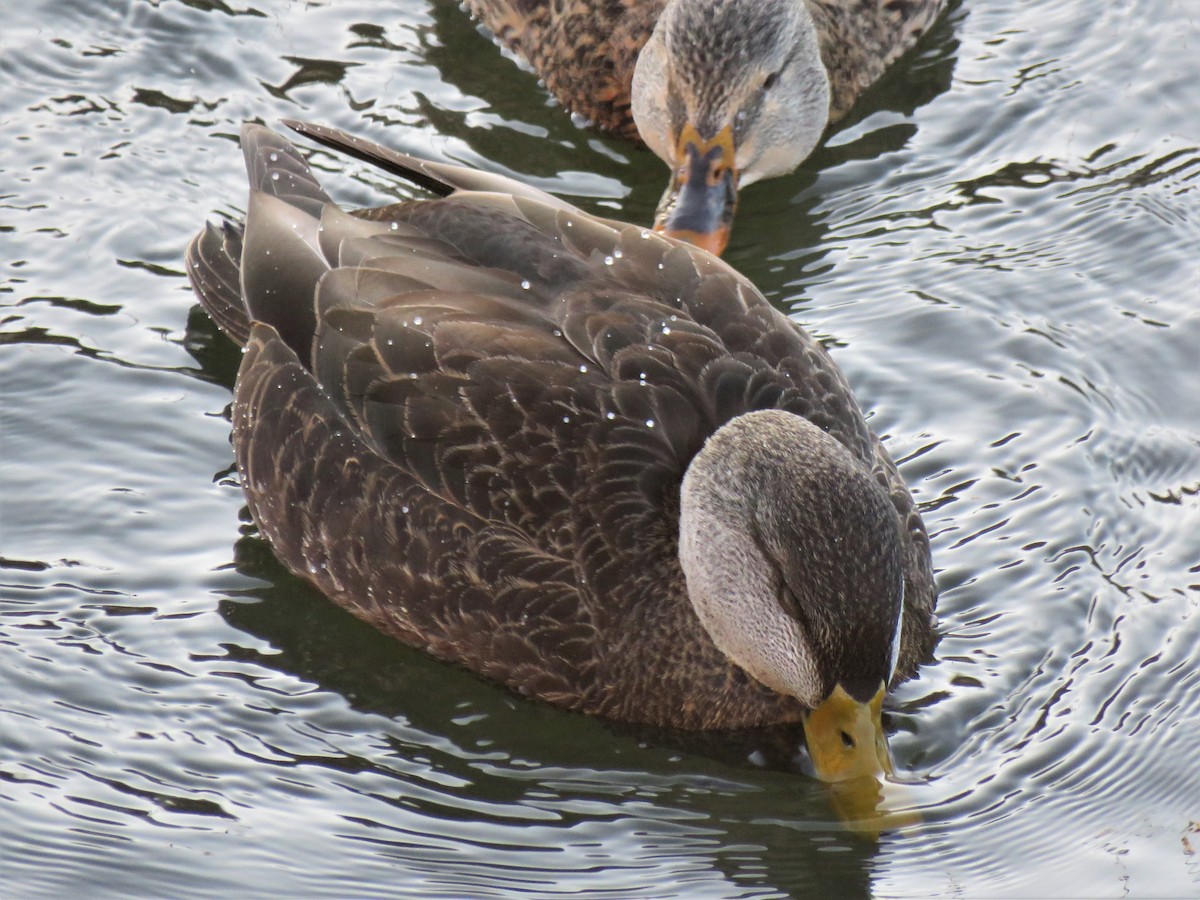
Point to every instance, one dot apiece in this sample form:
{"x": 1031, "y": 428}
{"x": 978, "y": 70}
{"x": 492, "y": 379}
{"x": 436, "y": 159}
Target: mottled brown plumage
{"x": 725, "y": 92}
{"x": 466, "y": 420}
{"x": 585, "y": 50}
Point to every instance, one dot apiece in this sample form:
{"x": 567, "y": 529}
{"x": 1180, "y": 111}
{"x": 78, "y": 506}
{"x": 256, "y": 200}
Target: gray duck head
{"x": 792, "y": 554}
{"x": 726, "y": 93}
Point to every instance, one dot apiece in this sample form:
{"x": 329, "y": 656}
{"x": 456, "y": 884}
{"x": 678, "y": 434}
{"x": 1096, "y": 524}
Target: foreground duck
{"x": 726, "y": 92}
{"x": 576, "y": 457}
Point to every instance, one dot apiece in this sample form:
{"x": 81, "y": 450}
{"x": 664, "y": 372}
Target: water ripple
{"x": 999, "y": 249}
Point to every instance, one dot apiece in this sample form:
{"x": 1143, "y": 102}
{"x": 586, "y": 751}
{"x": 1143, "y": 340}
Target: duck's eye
{"x": 848, "y": 740}
{"x": 770, "y": 81}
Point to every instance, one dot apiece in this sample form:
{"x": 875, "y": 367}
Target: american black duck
{"x": 579, "y": 458}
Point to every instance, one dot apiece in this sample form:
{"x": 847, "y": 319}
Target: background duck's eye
{"x": 770, "y": 81}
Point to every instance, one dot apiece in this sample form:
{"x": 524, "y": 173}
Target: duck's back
{"x": 861, "y": 38}
{"x": 584, "y": 50}
{"x": 467, "y": 420}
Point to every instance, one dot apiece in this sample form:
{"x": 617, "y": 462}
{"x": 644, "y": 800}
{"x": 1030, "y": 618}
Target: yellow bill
{"x": 845, "y": 737}
{"x": 848, "y": 748}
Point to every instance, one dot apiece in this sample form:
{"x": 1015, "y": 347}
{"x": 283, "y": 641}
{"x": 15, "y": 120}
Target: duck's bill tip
{"x": 848, "y": 749}
{"x": 870, "y": 808}
{"x": 699, "y": 204}
{"x": 714, "y": 242}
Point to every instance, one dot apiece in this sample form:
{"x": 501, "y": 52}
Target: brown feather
{"x": 585, "y": 50}
{"x": 478, "y": 444}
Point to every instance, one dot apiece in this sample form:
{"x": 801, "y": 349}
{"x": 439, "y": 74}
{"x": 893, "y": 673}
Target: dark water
{"x": 1002, "y": 245}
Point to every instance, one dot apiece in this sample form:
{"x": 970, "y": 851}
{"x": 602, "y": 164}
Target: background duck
{"x": 725, "y": 92}
{"x": 581, "y": 459}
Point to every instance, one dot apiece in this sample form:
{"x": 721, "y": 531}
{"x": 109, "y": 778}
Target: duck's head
{"x": 792, "y": 555}
{"x": 727, "y": 93}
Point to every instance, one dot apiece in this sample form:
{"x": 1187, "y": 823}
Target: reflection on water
{"x": 999, "y": 246}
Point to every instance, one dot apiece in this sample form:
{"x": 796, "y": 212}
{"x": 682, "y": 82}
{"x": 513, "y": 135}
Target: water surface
{"x": 1002, "y": 247}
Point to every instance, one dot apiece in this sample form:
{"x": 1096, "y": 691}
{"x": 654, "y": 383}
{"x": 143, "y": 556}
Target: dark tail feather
{"x": 275, "y": 167}
{"x": 214, "y": 259}
{"x": 440, "y": 178}
{"x": 286, "y": 207}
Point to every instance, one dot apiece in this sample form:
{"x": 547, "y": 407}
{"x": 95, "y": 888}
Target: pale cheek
{"x": 649, "y": 100}
{"x": 771, "y": 161}
{"x": 774, "y": 149}
{"x": 746, "y": 160}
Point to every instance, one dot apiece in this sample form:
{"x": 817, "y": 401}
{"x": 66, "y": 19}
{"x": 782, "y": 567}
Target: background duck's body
{"x": 586, "y": 50}
{"x": 468, "y": 420}
{"x": 725, "y": 93}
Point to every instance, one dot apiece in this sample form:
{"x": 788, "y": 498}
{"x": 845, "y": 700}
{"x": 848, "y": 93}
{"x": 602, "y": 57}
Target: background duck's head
{"x": 727, "y": 93}
{"x": 792, "y": 554}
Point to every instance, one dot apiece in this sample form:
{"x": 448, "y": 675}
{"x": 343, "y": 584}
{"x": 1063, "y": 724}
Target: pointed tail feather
{"x": 440, "y": 178}
{"x": 276, "y": 167}
{"x": 214, "y": 259}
